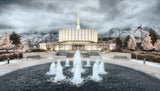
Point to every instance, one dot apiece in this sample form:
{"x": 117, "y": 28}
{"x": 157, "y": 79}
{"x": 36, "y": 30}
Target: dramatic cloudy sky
{"x": 52, "y": 15}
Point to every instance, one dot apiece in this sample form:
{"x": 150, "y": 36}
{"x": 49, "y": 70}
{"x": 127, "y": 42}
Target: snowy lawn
{"x": 147, "y": 63}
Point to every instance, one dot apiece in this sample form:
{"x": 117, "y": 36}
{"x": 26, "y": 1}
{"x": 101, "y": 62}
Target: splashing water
{"x": 52, "y": 69}
{"x": 77, "y": 61}
{"x": 101, "y": 68}
{"x": 97, "y": 61}
{"x": 95, "y": 74}
{"x": 59, "y": 73}
{"x": 57, "y": 70}
{"x": 67, "y": 63}
{"x": 58, "y": 63}
{"x": 77, "y": 76}
{"x": 88, "y": 63}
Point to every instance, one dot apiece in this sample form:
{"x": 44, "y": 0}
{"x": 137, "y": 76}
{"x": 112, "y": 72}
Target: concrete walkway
{"x": 148, "y": 69}
{"x": 151, "y": 70}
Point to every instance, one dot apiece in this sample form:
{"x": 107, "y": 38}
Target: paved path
{"x": 151, "y": 70}
{"x": 148, "y": 69}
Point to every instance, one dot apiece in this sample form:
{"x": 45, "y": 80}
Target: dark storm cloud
{"x": 5, "y": 3}
{"x": 24, "y": 3}
{"x": 112, "y": 8}
{"x": 52, "y": 15}
{"x": 6, "y": 26}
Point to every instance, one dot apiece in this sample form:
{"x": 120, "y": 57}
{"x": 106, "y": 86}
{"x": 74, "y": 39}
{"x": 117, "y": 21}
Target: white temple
{"x": 78, "y": 35}
{"x": 73, "y": 39}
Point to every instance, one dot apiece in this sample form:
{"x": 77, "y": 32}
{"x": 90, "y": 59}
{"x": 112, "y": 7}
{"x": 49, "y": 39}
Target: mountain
{"x": 51, "y": 37}
{"x": 124, "y": 31}
{"x": 48, "y": 38}
{"x": 36, "y": 37}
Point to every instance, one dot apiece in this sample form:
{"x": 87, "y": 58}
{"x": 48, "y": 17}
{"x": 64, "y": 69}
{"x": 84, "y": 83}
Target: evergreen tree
{"x": 126, "y": 41}
{"x": 118, "y": 43}
{"x": 132, "y": 43}
{"x": 146, "y": 44}
{"x": 15, "y": 38}
{"x": 6, "y": 43}
{"x": 157, "y": 45}
{"x": 153, "y": 35}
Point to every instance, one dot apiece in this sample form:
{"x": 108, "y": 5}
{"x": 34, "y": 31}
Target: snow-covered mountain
{"x": 48, "y": 38}
{"x": 128, "y": 30}
{"x": 51, "y": 37}
{"x": 40, "y": 37}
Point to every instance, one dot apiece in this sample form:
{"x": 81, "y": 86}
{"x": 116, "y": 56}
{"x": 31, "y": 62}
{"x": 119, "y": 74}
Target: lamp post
{"x": 8, "y": 59}
{"x": 144, "y": 60}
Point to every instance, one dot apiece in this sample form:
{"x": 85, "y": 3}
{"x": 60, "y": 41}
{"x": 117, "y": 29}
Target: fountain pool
{"x": 118, "y": 78}
{"x": 76, "y": 76}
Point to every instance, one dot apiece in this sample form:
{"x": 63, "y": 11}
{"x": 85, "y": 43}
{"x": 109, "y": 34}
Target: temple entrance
{"x": 75, "y": 47}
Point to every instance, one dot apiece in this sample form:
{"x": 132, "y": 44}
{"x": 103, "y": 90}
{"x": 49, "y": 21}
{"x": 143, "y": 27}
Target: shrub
{"x": 36, "y": 50}
{"x": 149, "y": 57}
{"x": 117, "y": 50}
{"x": 10, "y": 55}
{"x": 3, "y": 52}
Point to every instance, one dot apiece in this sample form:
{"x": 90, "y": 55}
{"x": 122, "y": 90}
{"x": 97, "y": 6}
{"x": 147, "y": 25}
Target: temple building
{"x": 73, "y": 39}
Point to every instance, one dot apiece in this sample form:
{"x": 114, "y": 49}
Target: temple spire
{"x": 78, "y": 24}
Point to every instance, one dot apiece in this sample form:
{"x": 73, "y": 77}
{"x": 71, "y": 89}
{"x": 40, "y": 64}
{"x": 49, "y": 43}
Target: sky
{"x": 51, "y": 15}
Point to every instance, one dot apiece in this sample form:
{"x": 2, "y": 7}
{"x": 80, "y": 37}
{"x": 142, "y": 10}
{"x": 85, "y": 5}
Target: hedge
{"x": 36, "y": 50}
{"x": 10, "y": 55}
{"x": 149, "y": 57}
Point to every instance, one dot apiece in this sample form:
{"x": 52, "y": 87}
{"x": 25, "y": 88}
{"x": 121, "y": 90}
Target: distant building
{"x": 73, "y": 39}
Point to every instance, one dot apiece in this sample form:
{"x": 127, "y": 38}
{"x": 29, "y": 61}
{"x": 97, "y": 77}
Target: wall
{"x": 68, "y": 46}
{"x": 77, "y": 35}
{"x": 112, "y": 54}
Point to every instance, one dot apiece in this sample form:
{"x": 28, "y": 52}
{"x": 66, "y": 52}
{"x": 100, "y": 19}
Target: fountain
{"x": 77, "y": 62}
{"x": 58, "y": 63}
{"x": 76, "y": 81}
{"x": 101, "y": 68}
{"x": 34, "y": 79}
{"x": 52, "y": 69}
{"x": 95, "y": 73}
{"x": 59, "y": 73}
{"x": 77, "y": 76}
{"x": 77, "y": 68}
{"x": 97, "y": 61}
{"x": 98, "y": 68}
{"x": 67, "y": 63}
{"x": 88, "y": 63}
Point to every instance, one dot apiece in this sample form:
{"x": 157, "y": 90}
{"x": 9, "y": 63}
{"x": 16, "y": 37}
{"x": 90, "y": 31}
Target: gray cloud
{"x": 52, "y": 15}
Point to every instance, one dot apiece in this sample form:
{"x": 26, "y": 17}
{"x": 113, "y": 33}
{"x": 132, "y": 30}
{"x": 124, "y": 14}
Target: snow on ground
{"x": 148, "y": 63}
{"x": 105, "y": 58}
{"x": 54, "y": 52}
{"x": 11, "y": 61}
{"x": 27, "y": 59}
{"x": 50, "y": 57}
